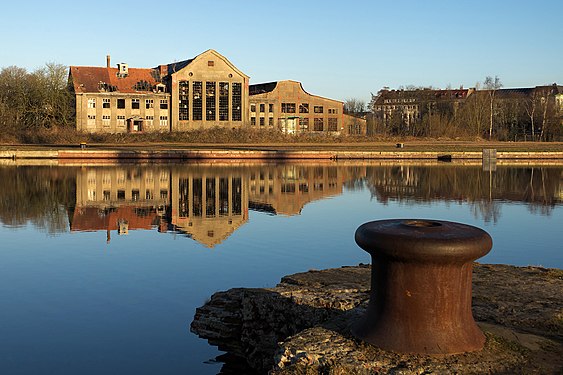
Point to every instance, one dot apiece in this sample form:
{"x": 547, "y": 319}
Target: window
{"x": 91, "y": 120}
{"x": 163, "y": 120}
{"x": 121, "y": 120}
{"x": 135, "y": 103}
{"x": 271, "y": 121}
{"x": 149, "y": 120}
{"x": 304, "y": 108}
{"x": 121, "y": 194}
{"x": 332, "y": 124}
{"x": 270, "y": 108}
{"x": 197, "y": 101}
{"x": 223, "y": 101}
{"x": 106, "y": 195}
{"x": 149, "y": 103}
{"x": 210, "y": 114}
{"x": 106, "y": 103}
{"x": 318, "y": 125}
{"x": 106, "y": 120}
{"x": 92, "y": 103}
{"x": 211, "y": 63}
{"x": 304, "y": 123}
{"x": 237, "y": 102}
{"x": 253, "y": 108}
{"x": 253, "y": 121}
{"x": 318, "y": 109}
{"x": 120, "y": 103}
{"x": 183, "y": 109}
{"x": 163, "y": 103}
{"x": 262, "y": 108}
{"x": 262, "y": 123}
{"x": 332, "y": 111}
{"x": 288, "y": 107}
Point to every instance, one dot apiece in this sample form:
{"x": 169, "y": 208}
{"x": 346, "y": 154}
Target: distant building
{"x": 409, "y": 106}
{"x": 202, "y": 92}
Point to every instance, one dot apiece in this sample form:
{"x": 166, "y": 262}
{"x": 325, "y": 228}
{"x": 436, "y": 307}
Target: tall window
{"x": 197, "y": 101}
{"x": 163, "y": 103}
{"x": 120, "y": 103}
{"x": 318, "y": 125}
{"x": 92, "y": 103}
{"x": 223, "y": 101}
{"x": 149, "y": 103}
{"x": 135, "y": 103}
{"x": 270, "y": 108}
{"x": 262, "y": 108}
{"x": 106, "y": 103}
{"x": 184, "y": 91}
{"x": 237, "y": 101}
{"x": 210, "y": 101}
{"x": 332, "y": 124}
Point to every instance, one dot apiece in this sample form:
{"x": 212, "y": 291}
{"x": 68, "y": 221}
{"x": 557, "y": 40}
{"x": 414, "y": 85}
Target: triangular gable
{"x": 217, "y": 55}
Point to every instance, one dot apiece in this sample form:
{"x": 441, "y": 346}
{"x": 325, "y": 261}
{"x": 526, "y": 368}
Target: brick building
{"x": 202, "y": 92}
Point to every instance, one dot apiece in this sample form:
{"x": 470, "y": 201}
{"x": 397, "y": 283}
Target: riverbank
{"x": 445, "y": 151}
{"x": 302, "y": 325}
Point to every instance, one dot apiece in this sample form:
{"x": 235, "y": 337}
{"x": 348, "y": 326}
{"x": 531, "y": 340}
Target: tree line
{"x": 488, "y": 112}
{"x": 34, "y": 101}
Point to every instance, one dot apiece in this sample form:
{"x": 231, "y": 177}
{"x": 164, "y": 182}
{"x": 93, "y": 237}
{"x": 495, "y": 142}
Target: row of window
{"x": 216, "y": 96}
{"x": 318, "y": 123}
{"x": 135, "y": 195}
{"x": 106, "y": 120}
{"x": 291, "y": 108}
{"x": 135, "y": 103}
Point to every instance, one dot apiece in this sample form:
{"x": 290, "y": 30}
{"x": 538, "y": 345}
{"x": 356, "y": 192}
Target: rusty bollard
{"x": 420, "y": 299}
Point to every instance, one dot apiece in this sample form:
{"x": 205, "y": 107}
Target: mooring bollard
{"x": 420, "y": 300}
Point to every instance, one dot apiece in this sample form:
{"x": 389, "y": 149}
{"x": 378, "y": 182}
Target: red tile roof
{"x": 94, "y": 79}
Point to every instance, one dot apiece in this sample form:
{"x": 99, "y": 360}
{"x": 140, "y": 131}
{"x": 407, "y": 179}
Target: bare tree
{"x": 354, "y": 106}
{"x": 492, "y": 85}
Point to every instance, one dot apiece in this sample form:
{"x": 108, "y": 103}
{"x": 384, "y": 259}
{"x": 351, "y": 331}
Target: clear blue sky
{"x": 338, "y": 49}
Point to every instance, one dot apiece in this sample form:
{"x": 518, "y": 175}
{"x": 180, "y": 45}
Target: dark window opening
{"x": 135, "y": 103}
{"x": 163, "y": 103}
{"x": 318, "y": 125}
{"x": 304, "y": 108}
{"x": 210, "y": 197}
{"x": 223, "y": 101}
{"x": 197, "y": 101}
{"x": 237, "y": 196}
{"x": 318, "y": 109}
{"x": 223, "y": 196}
{"x": 237, "y": 102}
{"x": 288, "y": 107}
{"x": 197, "y": 190}
{"x": 210, "y": 101}
{"x": 184, "y": 198}
{"x": 262, "y": 108}
{"x": 332, "y": 124}
{"x": 120, "y": 103}
{"x": 184, "y": 95}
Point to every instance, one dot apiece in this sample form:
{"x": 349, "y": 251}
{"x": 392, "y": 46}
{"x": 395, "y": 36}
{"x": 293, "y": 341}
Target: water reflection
{"x": 208, "y": 202}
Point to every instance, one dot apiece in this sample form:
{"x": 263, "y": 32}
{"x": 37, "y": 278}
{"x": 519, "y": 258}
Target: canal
{"x": 103, "y": 266}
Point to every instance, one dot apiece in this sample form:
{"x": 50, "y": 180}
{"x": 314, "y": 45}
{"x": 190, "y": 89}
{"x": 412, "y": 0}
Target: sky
{"x": 337, "y": 49}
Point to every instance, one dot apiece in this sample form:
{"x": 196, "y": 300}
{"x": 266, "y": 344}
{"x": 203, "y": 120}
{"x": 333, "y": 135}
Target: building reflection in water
{"x": 120, "y": 199}
{"x": 205, "y": 203}
{"x": 210, "y": 202}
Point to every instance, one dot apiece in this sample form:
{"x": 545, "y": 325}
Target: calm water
{"x": 102, "y": 267}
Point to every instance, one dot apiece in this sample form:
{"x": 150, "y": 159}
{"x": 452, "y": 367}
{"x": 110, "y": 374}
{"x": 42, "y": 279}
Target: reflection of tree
{"x": 39, "y": 195}
{"x": 538, "y": 187}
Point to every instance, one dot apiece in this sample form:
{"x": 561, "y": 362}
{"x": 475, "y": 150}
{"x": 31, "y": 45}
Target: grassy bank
{"x": 261, "y": 140}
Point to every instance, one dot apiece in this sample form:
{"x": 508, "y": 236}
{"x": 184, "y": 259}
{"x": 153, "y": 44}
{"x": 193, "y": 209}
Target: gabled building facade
{"x": 202, "y": 92}
{"x": 285, "y": 105}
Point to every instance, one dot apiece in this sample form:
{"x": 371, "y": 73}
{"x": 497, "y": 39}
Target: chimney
{"x": 108, "y": 61}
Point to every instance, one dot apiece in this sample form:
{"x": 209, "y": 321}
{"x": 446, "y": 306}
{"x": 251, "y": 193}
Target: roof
{"x": 103, "y": 79}
{"x": 262, "y": 88}
{"x": 87, "y": 79}
{"x": 422, "y": 94}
